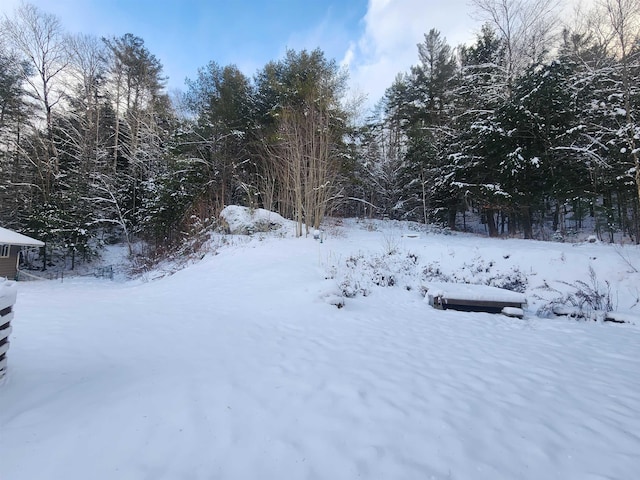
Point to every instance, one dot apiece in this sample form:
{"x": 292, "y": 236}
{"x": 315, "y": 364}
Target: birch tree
{"x": 303, "y": 126}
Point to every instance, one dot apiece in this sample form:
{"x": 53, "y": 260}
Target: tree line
{"x": 531, "y": 127}
{"x": 534, "y": 126}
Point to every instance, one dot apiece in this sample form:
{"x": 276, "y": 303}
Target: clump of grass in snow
{"x": 590, "y": 300}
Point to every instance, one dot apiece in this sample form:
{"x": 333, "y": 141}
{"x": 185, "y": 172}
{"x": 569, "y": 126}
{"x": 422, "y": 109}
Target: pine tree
{"x": 16, "y": 186}
{"x": 220, "y": 99}
{"x": 424, "y": 106}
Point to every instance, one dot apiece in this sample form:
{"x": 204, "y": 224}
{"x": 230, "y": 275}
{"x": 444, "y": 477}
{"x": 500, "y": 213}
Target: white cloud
{"x": 393, "y": 29}
{"x": 348, "y": 56}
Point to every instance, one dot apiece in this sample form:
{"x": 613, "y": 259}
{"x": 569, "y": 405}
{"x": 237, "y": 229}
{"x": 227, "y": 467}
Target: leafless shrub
{"x": 625, "y": 255}
{"x": 390, "y": 244}
{"x": 588, "y": 299}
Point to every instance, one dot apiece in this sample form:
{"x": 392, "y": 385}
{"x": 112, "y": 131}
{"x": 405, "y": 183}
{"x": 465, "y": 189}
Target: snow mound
{"x": 245, "y": 221}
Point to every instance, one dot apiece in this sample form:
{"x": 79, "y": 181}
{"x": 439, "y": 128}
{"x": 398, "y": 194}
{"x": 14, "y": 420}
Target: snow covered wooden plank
{"x": 4, "y": 346}
{"x": 3, "y": 359}
{"x": 8, "y": 292}
{"x": 617, "y": 317}
{"x": 513, "y": 312}
{"x": 469, "y": 297}
{"x": 595, "y": 315}
{"x": 5, "y": 331}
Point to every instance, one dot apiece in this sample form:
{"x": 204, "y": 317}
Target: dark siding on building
{"x": 8, "y": 265}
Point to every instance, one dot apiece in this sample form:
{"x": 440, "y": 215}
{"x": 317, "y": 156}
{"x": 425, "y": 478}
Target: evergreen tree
{"x": 535, "y": 123}
{"x": 15, "y": 192}
{"x": 481, "y": 91}
{"x": 221, "y": 101}
{"x": 423, "y": 105}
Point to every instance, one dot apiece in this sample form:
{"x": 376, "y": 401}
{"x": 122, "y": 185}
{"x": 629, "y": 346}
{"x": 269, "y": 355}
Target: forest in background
{"x": 532, "y": 129}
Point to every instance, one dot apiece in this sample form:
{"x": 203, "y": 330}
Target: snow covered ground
{"x": 241, "y": 366}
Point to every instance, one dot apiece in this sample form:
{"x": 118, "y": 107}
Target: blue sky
{"x": 186, "y": 35}
{"x": 375, "y": 39}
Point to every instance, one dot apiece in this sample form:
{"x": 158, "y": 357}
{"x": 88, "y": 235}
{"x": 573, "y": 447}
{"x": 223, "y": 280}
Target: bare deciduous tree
{"x": 624, "y": 20}
{"x": 87, "y": 72}
{"x": 525, "y": 26}
{"x": 39, "y": 38}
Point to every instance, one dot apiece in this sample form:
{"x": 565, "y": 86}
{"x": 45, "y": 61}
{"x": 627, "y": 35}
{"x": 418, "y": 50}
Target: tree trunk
{"x": 556, "y": 217}
{"x": 491, "y": 222}
{"x": 451, "y": 215}
{"x": 527, "y": 227}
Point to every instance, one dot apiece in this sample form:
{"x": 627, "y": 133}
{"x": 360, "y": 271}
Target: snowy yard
{"x": 240, "y": 367}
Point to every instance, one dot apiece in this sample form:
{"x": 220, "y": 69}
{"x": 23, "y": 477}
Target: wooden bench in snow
{"x": 475, "y": 298}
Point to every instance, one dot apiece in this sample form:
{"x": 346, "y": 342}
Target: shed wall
{"x": 8, "y": 265}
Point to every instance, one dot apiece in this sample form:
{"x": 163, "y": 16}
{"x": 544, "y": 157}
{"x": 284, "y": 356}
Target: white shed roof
{"x": 9, "y": 237}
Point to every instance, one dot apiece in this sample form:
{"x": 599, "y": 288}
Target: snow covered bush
{"x": 360, "y": 273}
{"x": 479, "y": 272}
{"x": 350, "y": 287}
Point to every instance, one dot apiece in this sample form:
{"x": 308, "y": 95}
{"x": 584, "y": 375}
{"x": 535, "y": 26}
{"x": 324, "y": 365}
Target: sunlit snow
{"x": 241, "y": 366}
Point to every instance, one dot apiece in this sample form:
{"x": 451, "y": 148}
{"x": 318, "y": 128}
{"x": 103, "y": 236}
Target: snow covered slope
{"x": 238, "y": 368}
